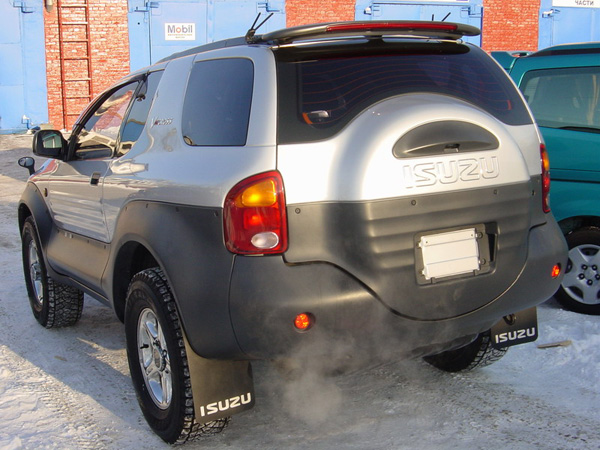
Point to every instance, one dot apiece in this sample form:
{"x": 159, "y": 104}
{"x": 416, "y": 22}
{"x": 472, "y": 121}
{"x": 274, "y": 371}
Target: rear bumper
{"x": 266, "y": 294}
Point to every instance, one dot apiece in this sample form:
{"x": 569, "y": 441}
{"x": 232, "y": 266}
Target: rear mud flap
{"x": 219, "y": 388}
{"x": 515, "y": 329}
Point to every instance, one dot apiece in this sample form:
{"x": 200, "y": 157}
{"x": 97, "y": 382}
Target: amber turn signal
{"x": 555, "y": 271}
{"x": 303, "y": 321}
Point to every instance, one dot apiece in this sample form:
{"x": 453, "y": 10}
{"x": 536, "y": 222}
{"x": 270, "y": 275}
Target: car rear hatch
{"x": 403, "y": 165}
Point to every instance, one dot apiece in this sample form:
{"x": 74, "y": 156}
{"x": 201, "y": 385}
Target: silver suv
{"x": 380, "y": 185}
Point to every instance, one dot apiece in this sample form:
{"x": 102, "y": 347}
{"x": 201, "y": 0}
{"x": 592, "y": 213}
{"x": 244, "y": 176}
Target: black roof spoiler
{"x": 437, "y": 30}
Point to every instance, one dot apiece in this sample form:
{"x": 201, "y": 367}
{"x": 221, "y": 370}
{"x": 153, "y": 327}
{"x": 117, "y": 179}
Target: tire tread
{"x": 479, "y": 353}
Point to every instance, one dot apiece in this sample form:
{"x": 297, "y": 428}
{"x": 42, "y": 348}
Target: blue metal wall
{"x": 461, "y": 11}
{"x": 561, "y": 24}
{"x": 23, "y": 91}
{"x": 201, "y": 21}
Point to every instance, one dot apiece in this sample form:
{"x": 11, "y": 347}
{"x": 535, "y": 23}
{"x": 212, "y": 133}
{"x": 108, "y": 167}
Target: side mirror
{"x": 49, "y": 144}
{"x": 27, "y": 162}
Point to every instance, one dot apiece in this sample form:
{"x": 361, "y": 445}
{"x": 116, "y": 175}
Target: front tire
{"x": 158, "y": 361}
{"x": 475, "y": 355}
{"x": 53, "y": 304}
{"x": 580, "y": 288}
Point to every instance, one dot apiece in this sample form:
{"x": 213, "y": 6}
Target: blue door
{"x": 460, "y": 11}
{"x": 159, "y": 28}
{"x": 563, "y": 21}
{"x": 23, "y": 94}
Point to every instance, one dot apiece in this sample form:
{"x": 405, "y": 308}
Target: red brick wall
{"x": 303, "y": 12}
{"x": 507, "y": 24}
{"x": 109, "y": 54}
{"x": 510, "y": 24}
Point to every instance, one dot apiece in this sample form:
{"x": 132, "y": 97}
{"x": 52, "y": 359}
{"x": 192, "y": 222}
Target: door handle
{"x": 95, "y": 178}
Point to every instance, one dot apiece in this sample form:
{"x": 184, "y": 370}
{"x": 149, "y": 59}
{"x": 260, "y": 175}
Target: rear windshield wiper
{"x": 588, "y": 129}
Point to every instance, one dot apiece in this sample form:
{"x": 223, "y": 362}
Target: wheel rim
{"x": 35, "y": 274}
{"x": 582, "y": 277}
{"x": 154, "y": 359}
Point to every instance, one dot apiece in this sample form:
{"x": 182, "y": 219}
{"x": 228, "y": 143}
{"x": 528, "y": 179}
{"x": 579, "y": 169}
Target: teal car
{"x": 562, "y": 87}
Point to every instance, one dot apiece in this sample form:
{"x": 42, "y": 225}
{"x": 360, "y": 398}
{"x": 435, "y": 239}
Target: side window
{"x": 98, "y": 137}
{"x": 138, "y": 115}
{"x": 216, "y": 110}
{"x": 564, "y": 98}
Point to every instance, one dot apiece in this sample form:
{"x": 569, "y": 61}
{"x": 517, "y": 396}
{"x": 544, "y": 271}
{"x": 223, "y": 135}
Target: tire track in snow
{"x": 46, "y": 400}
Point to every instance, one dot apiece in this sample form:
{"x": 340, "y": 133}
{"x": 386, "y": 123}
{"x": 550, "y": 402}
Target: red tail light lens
{"x": 254, "y": 216}
{"x": 545, "y": 179}
{"x": 392, "y": 26}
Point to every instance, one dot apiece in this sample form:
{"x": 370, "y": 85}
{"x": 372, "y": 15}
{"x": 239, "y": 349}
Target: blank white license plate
{"x": 450, "y": 253}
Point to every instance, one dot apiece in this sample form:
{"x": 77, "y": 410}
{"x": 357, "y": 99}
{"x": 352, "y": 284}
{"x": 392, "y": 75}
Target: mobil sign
{"x": 180, "y": 31}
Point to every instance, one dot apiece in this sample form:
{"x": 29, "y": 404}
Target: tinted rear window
{"x": 321, "y": 90}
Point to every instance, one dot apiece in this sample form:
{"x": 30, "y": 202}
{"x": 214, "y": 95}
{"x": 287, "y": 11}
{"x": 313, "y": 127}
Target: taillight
{"x": 545, "y": 179}
{"x": 392, "y": 26}
{"x": 254, "y": 216}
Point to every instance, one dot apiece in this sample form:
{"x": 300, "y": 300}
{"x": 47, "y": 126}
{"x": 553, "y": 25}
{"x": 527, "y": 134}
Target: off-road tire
{"x": 173, "y": 419}
{"x": 475, "y": 355}
{"x": 53, "y": 304}
{"x": 580, "y": 288}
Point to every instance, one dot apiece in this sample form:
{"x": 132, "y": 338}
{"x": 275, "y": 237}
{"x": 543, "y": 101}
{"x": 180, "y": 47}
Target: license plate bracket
{"x": 445, "y": 254}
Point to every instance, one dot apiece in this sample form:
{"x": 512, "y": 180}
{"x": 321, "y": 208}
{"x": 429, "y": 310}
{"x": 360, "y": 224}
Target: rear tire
{"x": 580, "y": 288}
{"x": 158, "y": 361}
{"x": 475, "y": 355}
{"x": 53, "y": 304}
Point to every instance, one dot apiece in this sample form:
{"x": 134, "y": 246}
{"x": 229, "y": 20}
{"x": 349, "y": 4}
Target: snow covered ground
{"x": 70, "y": 388}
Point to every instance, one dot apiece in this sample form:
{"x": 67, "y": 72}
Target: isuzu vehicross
{"x": 376, "y": 186}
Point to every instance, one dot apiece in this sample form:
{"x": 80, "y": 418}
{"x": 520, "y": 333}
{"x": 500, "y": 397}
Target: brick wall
{"x": 510, "y": 25}
{"x": 108, "y": 51}
{"x": 507, "y": 24}
{"x": 302, "y": 12}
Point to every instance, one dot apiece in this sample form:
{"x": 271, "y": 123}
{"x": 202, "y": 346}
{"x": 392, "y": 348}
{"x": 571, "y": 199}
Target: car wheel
{"x": 475, "y": 355}
{"x": 54, "y": 304}
{"x": 158, "y": 361}
{"x": 580, "y": 288}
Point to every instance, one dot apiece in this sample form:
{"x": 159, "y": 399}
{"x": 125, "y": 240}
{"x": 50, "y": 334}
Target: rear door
{"x": 389, "y": 154}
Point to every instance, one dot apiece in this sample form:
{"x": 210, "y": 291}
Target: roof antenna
{"x": 446, "y": 16}
{"x": 252, "y": 31}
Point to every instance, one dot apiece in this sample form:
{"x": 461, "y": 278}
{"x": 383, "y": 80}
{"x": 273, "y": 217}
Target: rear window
{"x": 321, "y": 90}
{"x": 566, "y": 98}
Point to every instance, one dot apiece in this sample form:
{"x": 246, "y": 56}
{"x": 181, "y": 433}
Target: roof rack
{"x": 438, "y": 30}
{"x": 583, "y": 48}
